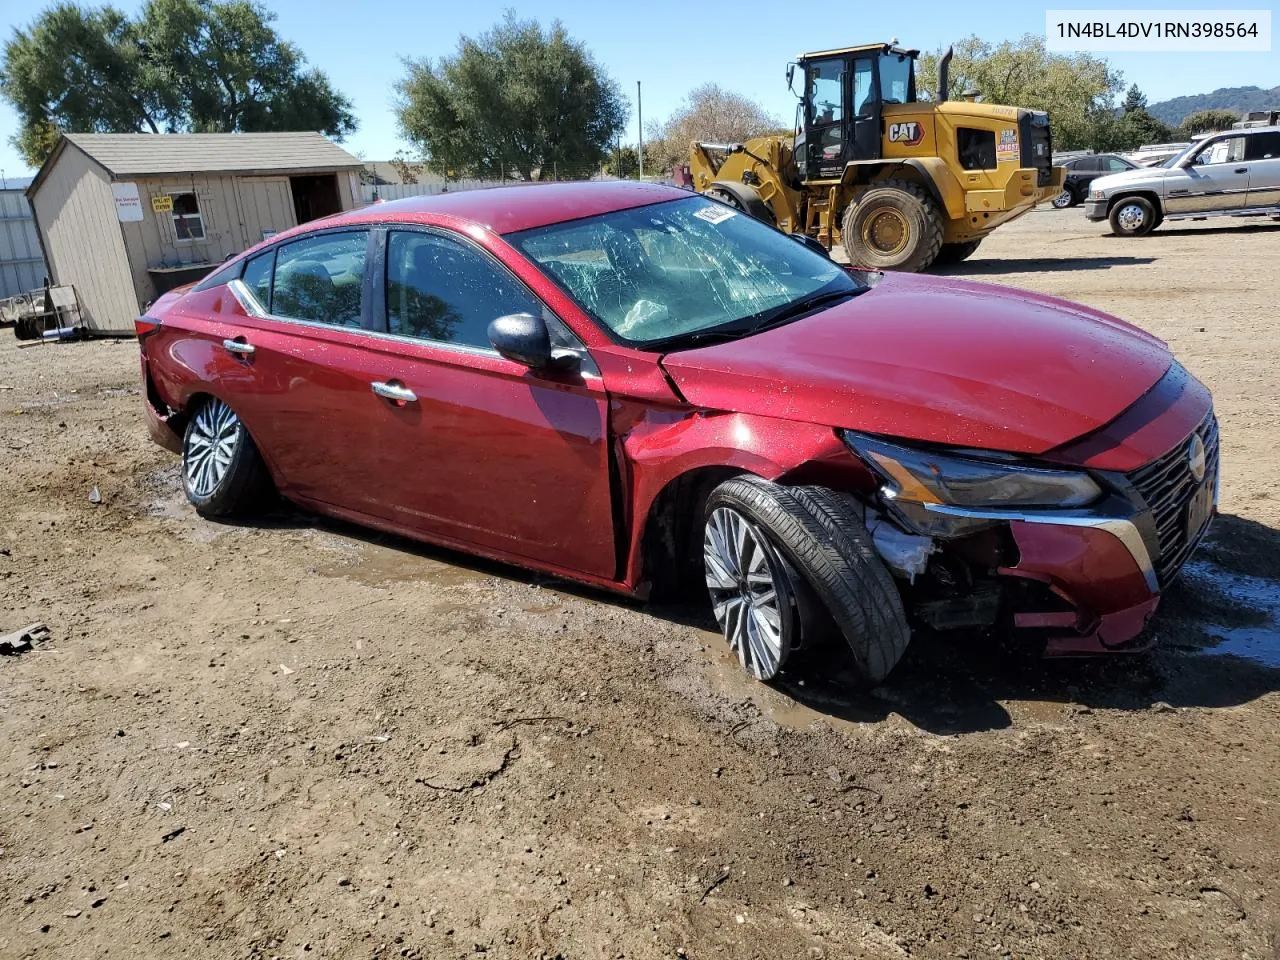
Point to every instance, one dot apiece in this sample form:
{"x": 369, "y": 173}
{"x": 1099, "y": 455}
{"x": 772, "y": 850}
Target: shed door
{"x": 266, "y": 205}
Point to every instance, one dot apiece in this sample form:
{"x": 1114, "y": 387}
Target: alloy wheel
{"x": 211, "y": 446}
{"x": 749, "y": 592}
{"x": 1063, "y": 200}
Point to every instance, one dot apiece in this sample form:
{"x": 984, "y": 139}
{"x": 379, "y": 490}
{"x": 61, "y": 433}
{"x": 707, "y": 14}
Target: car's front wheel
{"x": 1066, "y": 198}
{"x": 222, "y": 471}
{"x": 1133, "y": 217}
{"x": 768, "y": 549}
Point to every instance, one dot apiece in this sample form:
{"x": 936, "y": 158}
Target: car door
{"x": 1217, "y": 178}
{"x": 463, "y": 444}
{"x": 1262, "y": 154}
{"x": 299, "y": 344}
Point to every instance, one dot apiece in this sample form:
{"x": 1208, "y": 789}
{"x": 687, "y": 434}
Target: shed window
{"x": 188, "y": 224}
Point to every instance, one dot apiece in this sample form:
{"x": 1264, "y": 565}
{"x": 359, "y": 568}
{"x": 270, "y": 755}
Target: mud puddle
{"x": 1260, "y": 596}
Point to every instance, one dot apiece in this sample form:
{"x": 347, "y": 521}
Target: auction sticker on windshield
{"x": 716, "y": 214}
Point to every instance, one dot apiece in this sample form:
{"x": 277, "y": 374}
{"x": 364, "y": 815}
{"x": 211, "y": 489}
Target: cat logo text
{"x": 907, "y": 134}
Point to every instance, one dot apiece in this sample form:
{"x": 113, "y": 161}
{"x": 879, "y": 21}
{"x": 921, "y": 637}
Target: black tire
{"x": 952, "y": 253}
{"x": 906, "y": 203}
{"x": 1133, "y": 217}
{"x": 1065, "y": 199}
{"x": 244, "y": 483}
{"x": 741, "y": 197}
{"x": 818, "y": 533}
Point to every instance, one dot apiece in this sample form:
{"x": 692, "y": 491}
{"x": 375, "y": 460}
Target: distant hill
{"x": 1237, "y": 99}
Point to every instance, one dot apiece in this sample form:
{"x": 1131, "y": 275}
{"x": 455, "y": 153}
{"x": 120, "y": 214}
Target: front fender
{"x": 663, "y": 446}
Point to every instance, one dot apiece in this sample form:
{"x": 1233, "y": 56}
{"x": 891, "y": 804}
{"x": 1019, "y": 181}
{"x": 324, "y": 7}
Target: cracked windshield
{"x": 657, "y": 273}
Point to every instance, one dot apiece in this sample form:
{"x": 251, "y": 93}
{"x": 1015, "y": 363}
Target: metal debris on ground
{"x": 20, "y": 641}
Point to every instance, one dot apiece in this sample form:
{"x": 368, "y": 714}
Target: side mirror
{"x": 524, "y": 338}
{"x": 791, "y": 73}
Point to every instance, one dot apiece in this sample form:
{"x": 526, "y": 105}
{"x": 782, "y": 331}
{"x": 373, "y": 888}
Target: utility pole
{"x": 640, "y": 127}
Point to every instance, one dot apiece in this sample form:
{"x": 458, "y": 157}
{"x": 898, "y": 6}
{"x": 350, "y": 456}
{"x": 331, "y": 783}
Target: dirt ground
{"x": 298, "y": 739}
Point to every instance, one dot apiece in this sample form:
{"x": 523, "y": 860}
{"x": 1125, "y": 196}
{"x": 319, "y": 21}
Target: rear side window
{"x": 321, "y": 278}
{"x": 257, "y": 277}
{"x": 1263, "y": 146}
{"x": 441, "y": 289}
{"x": 1114, "y": 165}
{"x": 976, "y": 148}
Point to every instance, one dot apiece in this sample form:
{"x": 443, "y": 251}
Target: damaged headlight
{"x": 924, "y": 486}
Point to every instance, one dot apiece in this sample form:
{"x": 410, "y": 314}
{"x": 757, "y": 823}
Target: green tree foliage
{"x": 709, "y": 113}
{"x": 182, "y": 65}
{"x": 625, "y": 163}
{"x": 1078, "y": 90}
{"x": 1135, "y": 99}
{"x": 517, "y": 100}
{"x": 1206, "y": 121}
{"x": 1129, "y": 131}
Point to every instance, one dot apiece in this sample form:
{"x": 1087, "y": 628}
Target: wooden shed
{"x": 124, "y": 217}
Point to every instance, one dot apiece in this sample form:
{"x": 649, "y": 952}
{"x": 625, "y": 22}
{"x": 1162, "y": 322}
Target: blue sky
{"x": 672, "y": 46}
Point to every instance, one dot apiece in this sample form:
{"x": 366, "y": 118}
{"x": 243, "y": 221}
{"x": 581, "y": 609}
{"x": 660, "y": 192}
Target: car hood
{"x": 940, "y": 360}
{"x": 1128, "y": 177}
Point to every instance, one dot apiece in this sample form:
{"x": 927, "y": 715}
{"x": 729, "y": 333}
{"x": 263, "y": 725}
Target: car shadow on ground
{"x": 990, "y": 268}
{"x": 950, "y": 685}
{"x": 1223, "y": 228}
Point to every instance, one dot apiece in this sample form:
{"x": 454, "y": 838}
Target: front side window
{"x": 895, "y": 79}
{"x": 826, "y": 81}
{"x": 1115, "y": 165}
{"x": 1226, "y": 150}
{"x": 320, "y": 278}
{"x": 188, "y": 224}
{"x": 657, "y": 274}
{"x": 441, "y": 289}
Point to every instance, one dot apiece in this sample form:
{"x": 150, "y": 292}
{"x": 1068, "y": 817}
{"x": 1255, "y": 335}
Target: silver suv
{"x": 1233, "y": 173}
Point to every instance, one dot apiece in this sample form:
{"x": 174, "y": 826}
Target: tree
{"x": 1206, "y": 121}
{"x": 515, "y": 100}
{"x": 625, "y": 163}
{"x": 1135, "y": 99}
{"x": 182, "y": 65}
{"x": 709, "y": 113}
{"x": 1077, "y": 90}
{"x": 1129, "y": 131}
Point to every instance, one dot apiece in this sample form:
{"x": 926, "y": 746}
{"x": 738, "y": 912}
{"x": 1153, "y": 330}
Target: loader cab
{"x": 840, "y": 104}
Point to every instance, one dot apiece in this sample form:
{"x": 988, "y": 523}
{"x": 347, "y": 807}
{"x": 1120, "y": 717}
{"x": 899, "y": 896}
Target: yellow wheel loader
{"x": 903, "y": 183}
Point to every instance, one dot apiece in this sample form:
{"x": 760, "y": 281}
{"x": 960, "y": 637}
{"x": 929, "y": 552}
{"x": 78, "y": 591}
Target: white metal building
{"x": 21, "y": 262}
{"x": 124, "y": 217}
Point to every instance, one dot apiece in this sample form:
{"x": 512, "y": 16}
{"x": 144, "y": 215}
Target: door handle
{"x": 394, "y": 391}
{"x": 238, "y": 346}
{"x": 1242, "y": 170}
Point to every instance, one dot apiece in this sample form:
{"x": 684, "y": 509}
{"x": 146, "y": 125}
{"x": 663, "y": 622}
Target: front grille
{"x": 1167, "y": 486}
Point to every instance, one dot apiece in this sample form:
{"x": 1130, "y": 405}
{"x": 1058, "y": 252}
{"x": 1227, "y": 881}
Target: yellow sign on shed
{"x": 162, "y": 203}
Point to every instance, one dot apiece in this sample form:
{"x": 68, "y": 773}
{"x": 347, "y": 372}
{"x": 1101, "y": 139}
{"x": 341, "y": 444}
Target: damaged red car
{"x": 642, "y": 389}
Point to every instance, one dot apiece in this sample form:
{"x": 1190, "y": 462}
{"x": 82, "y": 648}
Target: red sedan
{"x": 644, "y": 390}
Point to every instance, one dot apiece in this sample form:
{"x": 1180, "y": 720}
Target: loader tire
{"x": 742, "y": 197}
{"x": 892, "y": 225}
{"x": 953, "y": 253}
{"x": 819, "y": 535}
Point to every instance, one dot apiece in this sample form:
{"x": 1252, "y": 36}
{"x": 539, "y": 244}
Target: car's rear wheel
{"x": 222, "y": 471}
{"x": 1133, "y": 217}
{"x": 768, "y": 549}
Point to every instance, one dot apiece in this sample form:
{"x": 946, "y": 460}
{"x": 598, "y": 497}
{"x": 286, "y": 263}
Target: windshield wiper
{"x": 805, "y": 305}
{"x": 745, "y": 328}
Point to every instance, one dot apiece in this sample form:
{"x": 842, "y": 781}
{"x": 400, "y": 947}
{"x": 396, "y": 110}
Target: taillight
{"x": 145, "y": 327}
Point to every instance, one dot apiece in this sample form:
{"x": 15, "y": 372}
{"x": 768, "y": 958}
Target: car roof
{"x": 511, "y": 209}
